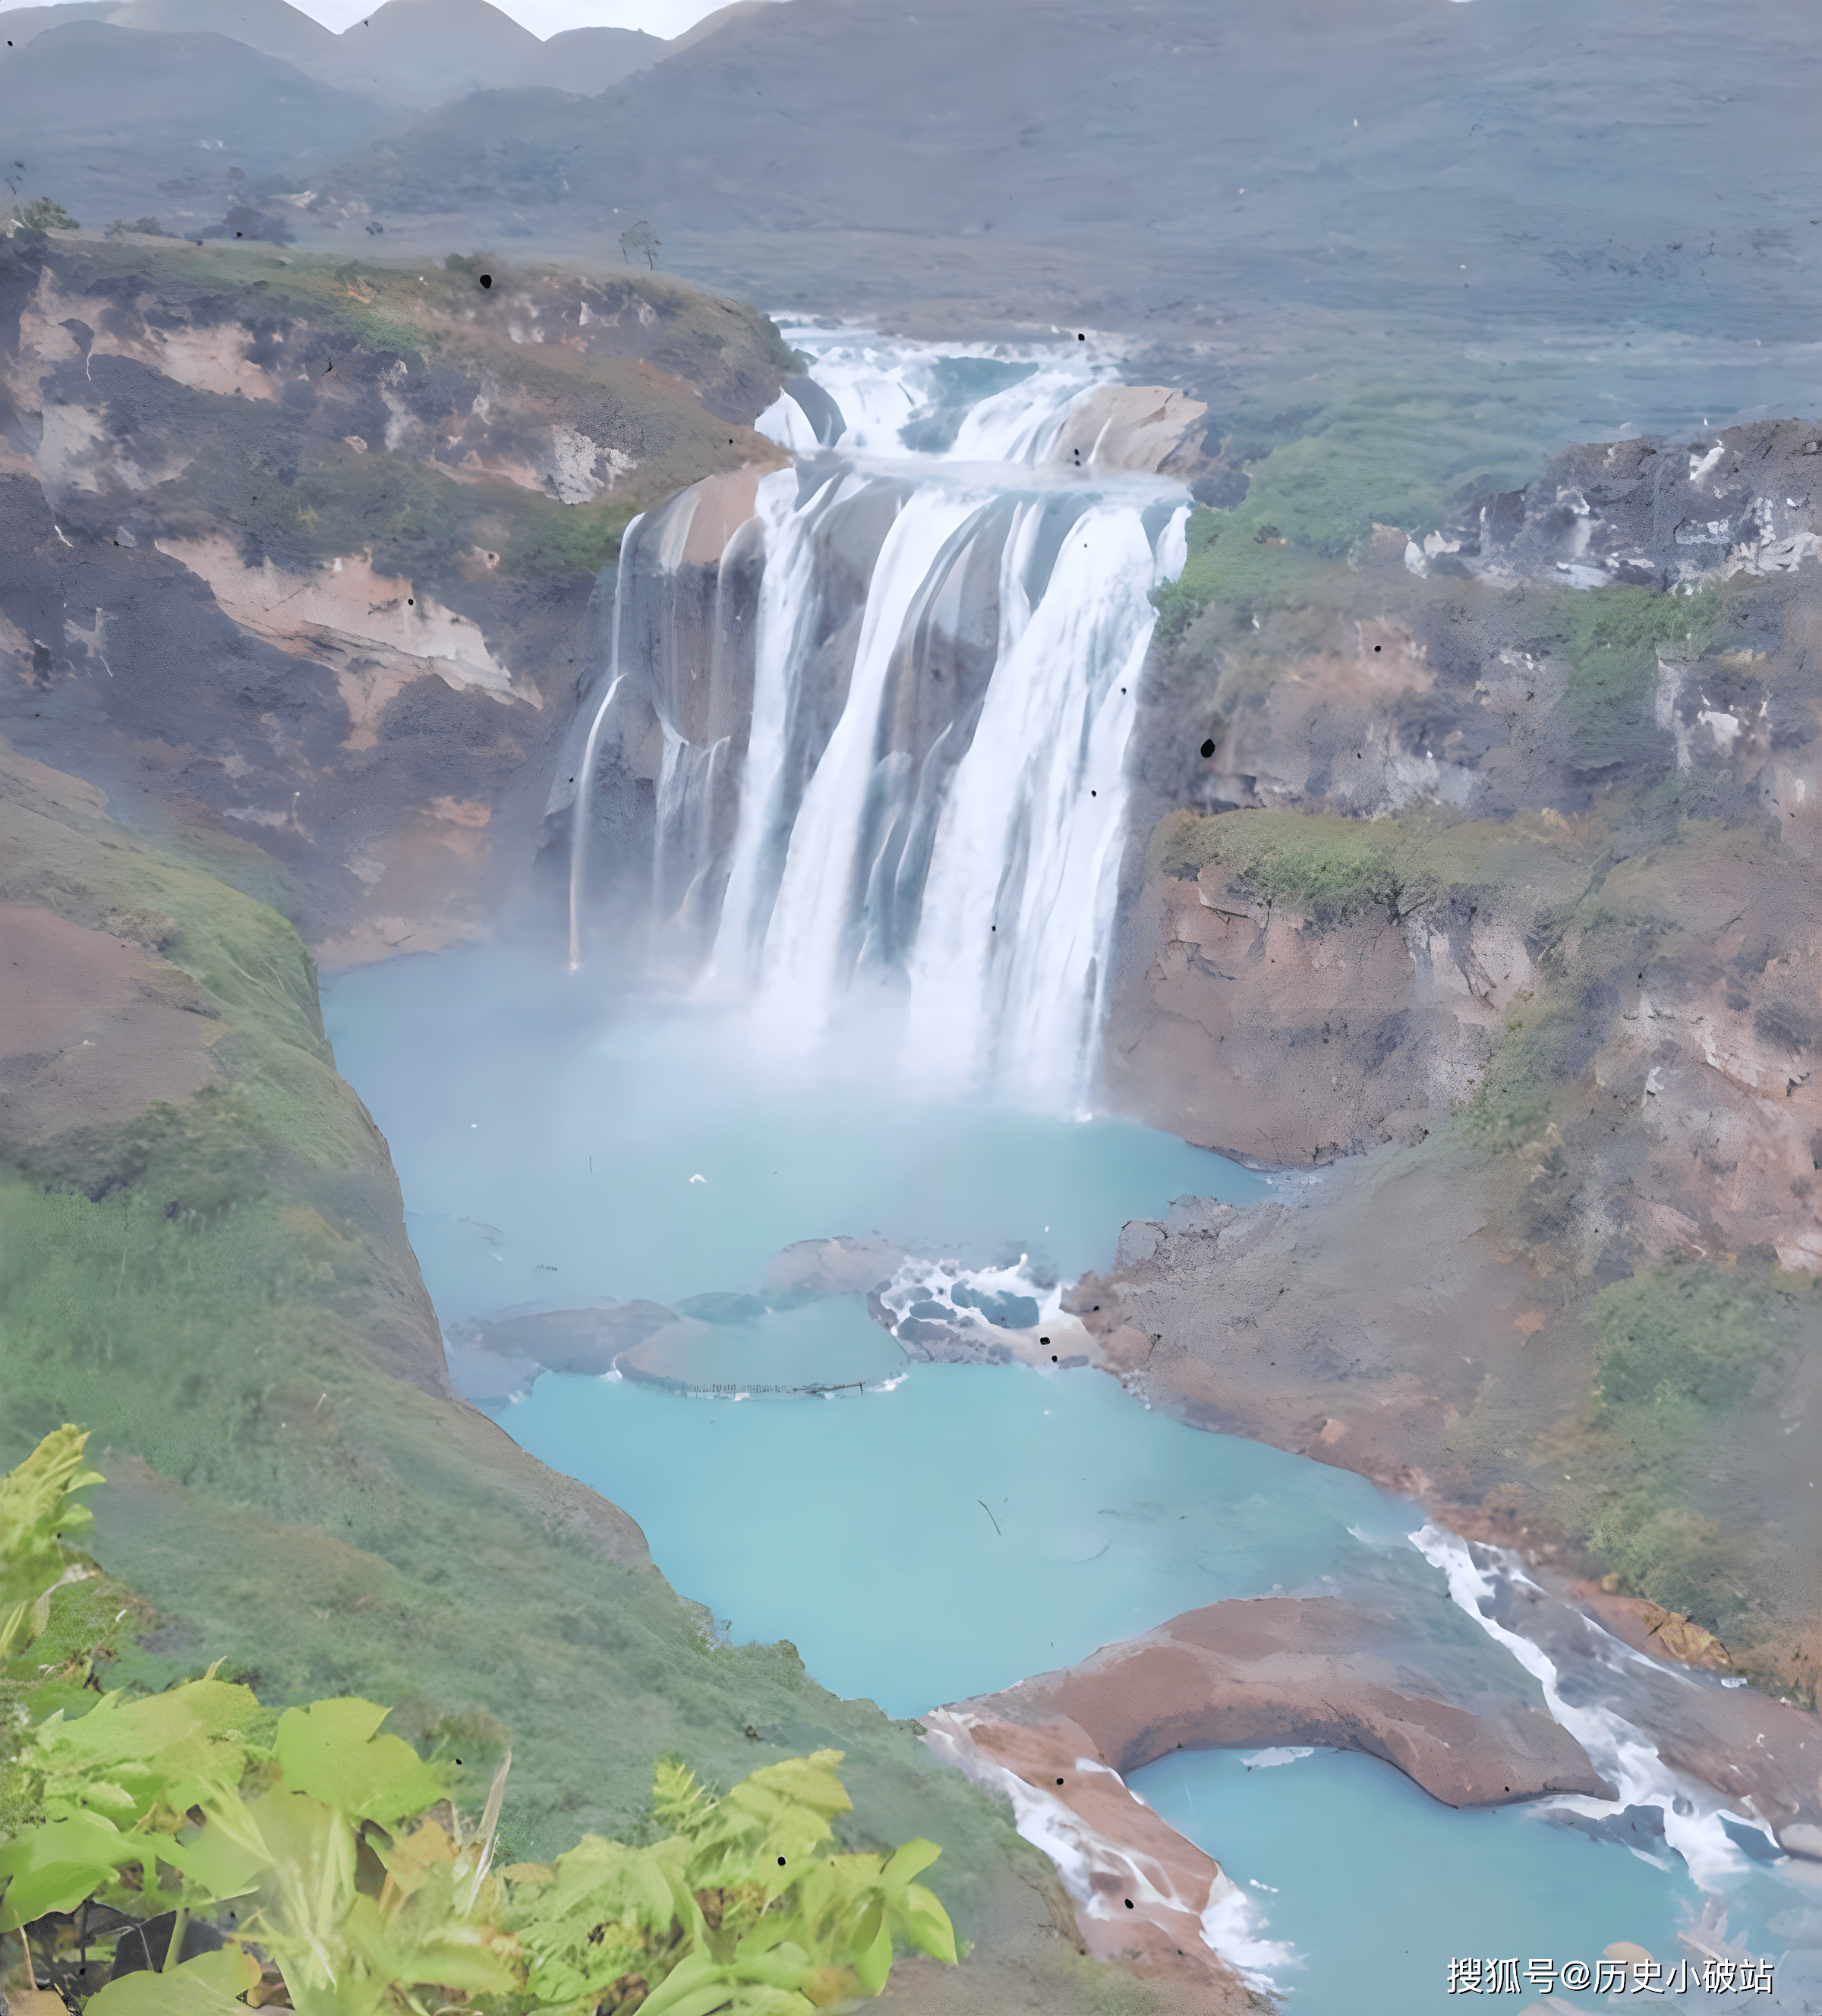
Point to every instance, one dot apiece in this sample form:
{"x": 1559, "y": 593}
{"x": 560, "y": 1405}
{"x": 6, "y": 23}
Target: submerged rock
{"x": 814, "y": 1267}
{"x": 1640, "y": 1827}
{"x": 586, "y": 1340}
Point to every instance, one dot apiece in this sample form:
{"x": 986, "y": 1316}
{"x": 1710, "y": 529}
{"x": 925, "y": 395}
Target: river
{"x": 856, "y": 990}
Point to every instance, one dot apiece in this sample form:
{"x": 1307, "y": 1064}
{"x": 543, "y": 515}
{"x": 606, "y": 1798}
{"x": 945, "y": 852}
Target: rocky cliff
{"x": 1491, "y": 870}
{"x": 305, "y": 554}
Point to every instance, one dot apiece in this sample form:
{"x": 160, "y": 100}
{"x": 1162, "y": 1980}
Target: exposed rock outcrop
{"x": 1494, "y": 815}
{"x": 93, "y": 1029}
{"x": 1267, "y": 1671}
{"x": 303, "y": 564}
{"x": 1285, "y": 1670}
{"x": 1149, "y": 427}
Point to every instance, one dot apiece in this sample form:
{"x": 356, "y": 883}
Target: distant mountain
{"x": 592, "y": 60}
{"x": 18, "y": 25}
{"x": 426, "y": 53}
{"x": 272, "y": 27}
{"x": 423, "y": 52}
{"x": 119, "y": 122}
{"x": 712, "y": 23}
{"x": 411, "y": 54}
{"x": 1166, "y": 159}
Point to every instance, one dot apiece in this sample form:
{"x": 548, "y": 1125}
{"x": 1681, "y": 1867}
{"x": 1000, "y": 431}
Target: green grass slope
{"x": 223, "y": 1293}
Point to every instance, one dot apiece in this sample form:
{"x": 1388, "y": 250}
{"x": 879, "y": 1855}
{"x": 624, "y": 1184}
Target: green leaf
{"x": 924, "y": 1924}
{"x": 205, "y": 1986}
{"x": 224, "y": 1861}
{"x": 679, "y": 1802}
{"x": 54, "y": 1866}
{"x": 872, "y": 1962}
{"x": 699, "y": 1986}
{"x": 911, "y": 1858}
{"x": 155, "y": 1738}
{"x": 416, "y": 1948}
{"x": 804, "y": 1781}
{"x": 330, "y": 1751}
{"x": 37, "y": 1520}
{"x": 599, "y": 1880}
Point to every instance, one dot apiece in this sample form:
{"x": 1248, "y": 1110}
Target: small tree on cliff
{"x": 44, "y": 213}
{"x": 640, "y": 237}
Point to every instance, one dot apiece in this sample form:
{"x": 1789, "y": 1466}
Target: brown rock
{"x": 92, "y": 1030}
{"x": 1296, "y": 1670}
{"x": 1271, "y": 1670}
{"x": 1127, "y": 427}
{"x": 1140, "y": 1888}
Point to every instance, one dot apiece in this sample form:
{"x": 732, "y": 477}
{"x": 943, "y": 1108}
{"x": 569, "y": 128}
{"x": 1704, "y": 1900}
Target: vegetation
{"x": 333, "y": 1852}
{"x": 1613, "y": 637}
{"x": 1234, "y": 557}
{"x": 44, "y": 213}
{"x": 1700, "y": 1339}
{"x": 1327, "y": 491}
{"x": 1322, "y": 477}
{"x": 415, "y": 522}
{"x": 221, "y": 1291}
{"x": 642, "y": 239}
{"x": 1684, "y": 1457}
{"x": 1335, "y": 868}
{"x": 37, "y": 1515}
{"x": 549, "y": 540}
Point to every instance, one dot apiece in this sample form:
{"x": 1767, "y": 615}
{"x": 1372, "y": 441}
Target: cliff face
{"x": 1485, "y": 840}
{"x": 306, "y": 555}
{"x": 1492, "y": 868}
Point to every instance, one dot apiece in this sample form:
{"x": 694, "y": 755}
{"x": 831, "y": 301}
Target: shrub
{"x": 335, "y": 1851}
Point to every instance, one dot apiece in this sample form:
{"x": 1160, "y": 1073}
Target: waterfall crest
{"x": 866, "y": 726}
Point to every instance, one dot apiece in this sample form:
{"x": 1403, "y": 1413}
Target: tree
{"x": 44, "y": 213}
{"x": 640, "y": 237}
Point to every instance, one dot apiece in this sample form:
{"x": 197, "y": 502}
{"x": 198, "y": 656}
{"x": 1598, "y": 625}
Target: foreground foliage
{"x": 330, "y": 1852}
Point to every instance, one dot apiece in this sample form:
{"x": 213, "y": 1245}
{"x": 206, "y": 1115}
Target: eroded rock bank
{"x": 1551, "y": 775}
{"x": 1262, "y": 1673}
{"x": 1287, "y": 1670}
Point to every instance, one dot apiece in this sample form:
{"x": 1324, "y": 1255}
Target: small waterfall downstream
{"x": 865, "y": 731}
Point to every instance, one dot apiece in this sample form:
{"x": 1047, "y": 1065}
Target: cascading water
{"x": 881, "y": 701}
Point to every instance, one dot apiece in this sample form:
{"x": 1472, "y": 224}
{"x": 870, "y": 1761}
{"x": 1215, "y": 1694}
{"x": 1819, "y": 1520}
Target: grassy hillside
{"x": 222, "y": 1292}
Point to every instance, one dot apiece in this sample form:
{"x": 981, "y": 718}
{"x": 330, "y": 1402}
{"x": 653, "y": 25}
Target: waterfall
{"x": 866, "y": 720}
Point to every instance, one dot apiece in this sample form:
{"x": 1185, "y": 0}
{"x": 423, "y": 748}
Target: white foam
{"x": 1621, "y": 1753}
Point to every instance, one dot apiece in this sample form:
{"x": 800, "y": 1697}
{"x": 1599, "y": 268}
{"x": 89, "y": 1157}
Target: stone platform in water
{"x": 1287, "y": 1670}
{"x": 1262, "y": 1671}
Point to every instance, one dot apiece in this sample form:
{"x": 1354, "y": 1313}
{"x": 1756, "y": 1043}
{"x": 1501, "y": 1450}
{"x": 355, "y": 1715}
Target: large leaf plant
{"x": 331, "y": 1852}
